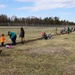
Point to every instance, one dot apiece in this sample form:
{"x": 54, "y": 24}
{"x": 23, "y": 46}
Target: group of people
{"x": 63, "y": 31}
{"x": 13, "y": 37}
{"x": 45, "y": 36}
{"x": 68, "y": 30}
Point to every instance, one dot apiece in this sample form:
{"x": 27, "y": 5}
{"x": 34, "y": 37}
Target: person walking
{"x": 13, "y": 37}
{"x": 22, "y": 35}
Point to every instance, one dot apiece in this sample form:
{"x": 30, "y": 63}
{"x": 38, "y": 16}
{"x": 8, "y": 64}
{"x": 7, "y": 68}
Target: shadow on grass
{"x": 24, "y": 42}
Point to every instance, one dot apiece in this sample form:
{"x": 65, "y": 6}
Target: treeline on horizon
{"x": 4, "y": 19}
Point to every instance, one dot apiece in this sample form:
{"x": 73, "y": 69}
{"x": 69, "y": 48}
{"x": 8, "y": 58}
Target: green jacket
{"x": 69, "y": 30}
{"x": 11, "y": 34}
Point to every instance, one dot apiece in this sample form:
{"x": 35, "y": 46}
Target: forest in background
{"x": 32, "y": 21}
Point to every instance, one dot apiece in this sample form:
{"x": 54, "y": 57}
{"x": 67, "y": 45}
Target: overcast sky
{"x": 64, "y": 9}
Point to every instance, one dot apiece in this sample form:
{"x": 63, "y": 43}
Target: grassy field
{"x": 55, "y": 56}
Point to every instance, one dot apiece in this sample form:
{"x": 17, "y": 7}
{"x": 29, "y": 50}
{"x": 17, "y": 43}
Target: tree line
{"x": 33, "y": 21}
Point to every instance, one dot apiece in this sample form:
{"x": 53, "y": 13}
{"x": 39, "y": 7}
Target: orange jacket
{"x": 2, "y": 39}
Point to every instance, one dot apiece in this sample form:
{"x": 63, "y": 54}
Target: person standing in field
{"x": 22, "y": 35}
{"x": 68, "y": 30}
{"x": 2, "y": 40}
{"x": 13, "y": 37}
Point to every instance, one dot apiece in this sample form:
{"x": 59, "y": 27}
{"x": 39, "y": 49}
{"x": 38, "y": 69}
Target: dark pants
{"x": 45, "y": 37}
{"x": 68, "y": 32}
{"x": 13, "y": 40}
{"x": 2, "y": 43}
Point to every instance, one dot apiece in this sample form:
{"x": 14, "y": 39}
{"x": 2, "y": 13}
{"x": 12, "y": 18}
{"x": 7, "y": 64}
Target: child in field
{"x": 45, "y": 36}
{"x": 62, "y": 31}
{"x": 22, "y": 35}
{"x": 2, "y": 40}
{"x": 43, "y": 33}
{"x": 68, "y": 30}
{"x": 49, "y": 36}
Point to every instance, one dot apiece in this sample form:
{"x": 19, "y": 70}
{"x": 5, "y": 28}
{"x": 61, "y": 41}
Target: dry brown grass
{"x": 55, "y": 56}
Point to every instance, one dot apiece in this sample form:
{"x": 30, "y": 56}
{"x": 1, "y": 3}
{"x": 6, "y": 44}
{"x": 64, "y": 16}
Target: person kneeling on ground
{"x": 13, "y": 37}
{"x": 45, "y": 36}
{"x": 62, "y": 31}
{"x": 49, "y": 36}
